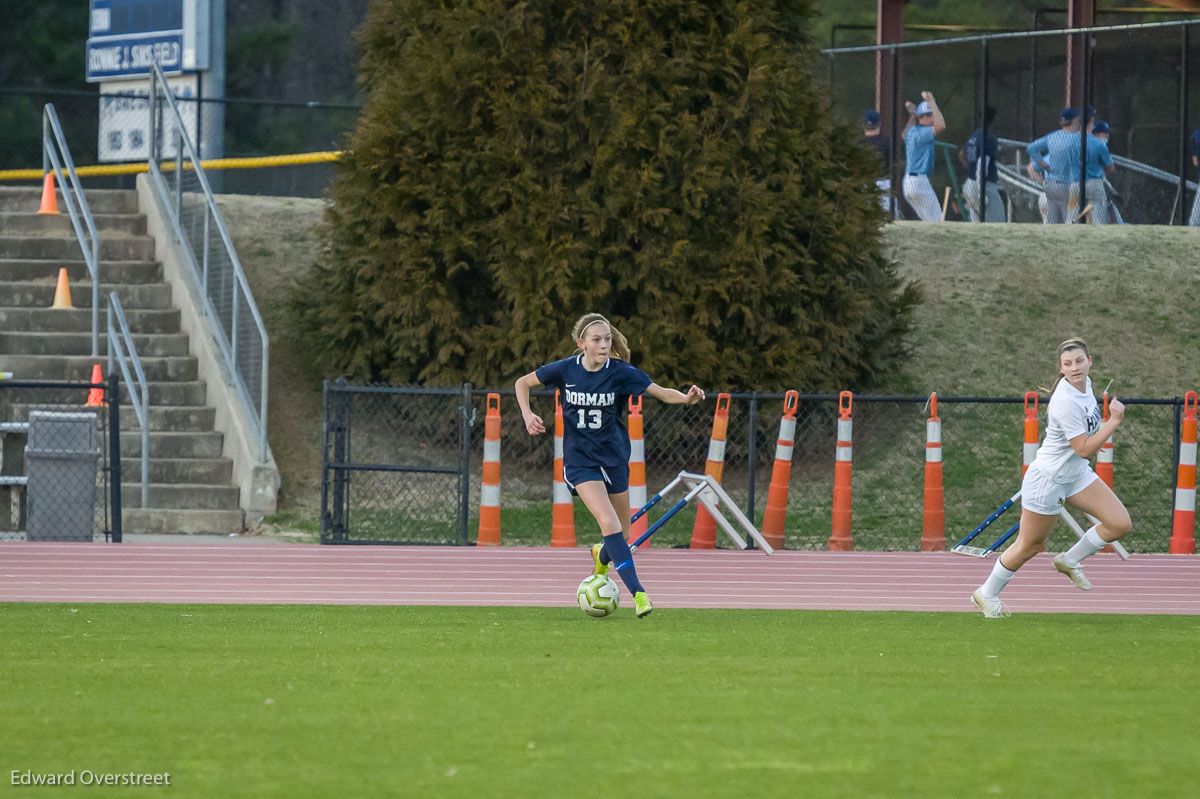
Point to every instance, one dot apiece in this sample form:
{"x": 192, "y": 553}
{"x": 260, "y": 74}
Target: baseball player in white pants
{"x": 925, "y": 121}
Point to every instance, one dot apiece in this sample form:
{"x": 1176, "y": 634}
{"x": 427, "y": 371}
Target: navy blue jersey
{"x": 593, "y": 406}
{"x": 972, "y": 147}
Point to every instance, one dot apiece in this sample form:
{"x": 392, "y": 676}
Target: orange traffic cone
{"x": 95, "y": 393}
{"x": 49, "y": 200}
{"x": 62, "y": 292}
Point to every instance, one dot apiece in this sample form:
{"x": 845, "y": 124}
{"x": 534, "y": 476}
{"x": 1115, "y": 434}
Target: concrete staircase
{"x": 191, "y": 488}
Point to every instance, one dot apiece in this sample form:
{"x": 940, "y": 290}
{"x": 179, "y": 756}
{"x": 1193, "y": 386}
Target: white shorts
{"x": 1042, "y": 495}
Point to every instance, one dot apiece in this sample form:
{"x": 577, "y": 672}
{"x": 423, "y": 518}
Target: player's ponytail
{"x": 620, "y": 346}
{"x": 1069, "y": 344}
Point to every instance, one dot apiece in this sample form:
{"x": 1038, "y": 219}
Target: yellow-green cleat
{"x": 601, "y": 568}
{"x": 642, "y": 604}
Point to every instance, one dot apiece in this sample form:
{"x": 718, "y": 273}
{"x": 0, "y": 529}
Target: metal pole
{"x": 752, "y": 454}
{"x": 114, "y": 452}
{"x": 1183, "y": 113}
{"x": 983, "y": 148}
{"x": 895, "y": 133}
{"x": 1085, "y": 51}
{"x": 466, "y": 419}
{"x": 325, "y": 525}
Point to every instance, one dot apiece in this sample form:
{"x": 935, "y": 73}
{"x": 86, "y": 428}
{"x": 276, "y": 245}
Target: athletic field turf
{"x": 528, "y": 702}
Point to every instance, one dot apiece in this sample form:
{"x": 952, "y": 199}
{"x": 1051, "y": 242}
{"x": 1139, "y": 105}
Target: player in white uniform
{"x": 1060, "y": 473}
{"x": 924, "y": 122}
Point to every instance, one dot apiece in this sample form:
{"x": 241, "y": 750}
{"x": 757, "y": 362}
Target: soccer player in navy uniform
{"x": 595, "y": 388}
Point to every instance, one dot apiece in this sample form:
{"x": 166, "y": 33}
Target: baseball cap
{"x": 1068, "y": 114}
{"x": 1100, "y": 126}
{"x": 924, "y": 108}
{"x": 871, "y": 117}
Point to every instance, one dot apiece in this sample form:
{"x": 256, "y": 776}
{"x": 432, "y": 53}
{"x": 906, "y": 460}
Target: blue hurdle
{"x": 983, "y": 552}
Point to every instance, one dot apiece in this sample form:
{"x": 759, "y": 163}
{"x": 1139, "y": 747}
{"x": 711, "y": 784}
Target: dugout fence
{"x": 403, "y": 465}
{"x": 1142, "y": 79}
{"x": 61, "y": 460}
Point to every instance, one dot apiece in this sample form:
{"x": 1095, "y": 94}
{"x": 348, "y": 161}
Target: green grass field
{"x": 480, "y": 702}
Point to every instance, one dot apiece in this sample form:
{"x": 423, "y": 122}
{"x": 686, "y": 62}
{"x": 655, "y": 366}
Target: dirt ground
{"x": 998, "y": 300}
{"x": 277, "y": 238}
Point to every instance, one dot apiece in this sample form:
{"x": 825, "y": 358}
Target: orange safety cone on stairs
{"x": 49, "y": 200}
{"x": 62, "y": 292}
{"x": 95, "y": 396}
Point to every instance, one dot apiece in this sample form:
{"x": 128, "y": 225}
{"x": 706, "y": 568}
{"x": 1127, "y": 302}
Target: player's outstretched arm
{"x": 939, "y": 122}
{"x": 533, "y": 423}
{"x": 673, "y": 397}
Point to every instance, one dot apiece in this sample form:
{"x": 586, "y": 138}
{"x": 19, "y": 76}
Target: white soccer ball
{"x": 598, "y": 595}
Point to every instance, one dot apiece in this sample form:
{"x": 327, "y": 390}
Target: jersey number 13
{"x": 589, "y": 418}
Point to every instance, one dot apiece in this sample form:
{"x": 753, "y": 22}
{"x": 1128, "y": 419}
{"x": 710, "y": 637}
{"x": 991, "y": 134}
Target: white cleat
{"x": 991, "y": 606}
{"x": 1075, "y": 573}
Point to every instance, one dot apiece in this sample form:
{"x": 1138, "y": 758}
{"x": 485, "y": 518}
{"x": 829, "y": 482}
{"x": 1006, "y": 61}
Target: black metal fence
{"x": 60, "y": 461}
{"x": 1143, "y": 80}
{"x": 403, "y": 465}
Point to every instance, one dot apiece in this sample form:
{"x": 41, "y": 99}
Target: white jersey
{"x": 1071, "y": 413}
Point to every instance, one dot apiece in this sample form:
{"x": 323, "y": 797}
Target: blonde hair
{"x": 620, "y": 346}
{"x": 1066, "y": 346}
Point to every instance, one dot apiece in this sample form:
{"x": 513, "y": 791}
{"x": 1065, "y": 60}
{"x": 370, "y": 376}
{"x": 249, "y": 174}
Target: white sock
{"x": 996, "y": 580}
{"x": 1090, "y": 544}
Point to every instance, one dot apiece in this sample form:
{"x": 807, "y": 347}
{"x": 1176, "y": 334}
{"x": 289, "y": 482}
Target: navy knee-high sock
{"x": 616, "y": 550}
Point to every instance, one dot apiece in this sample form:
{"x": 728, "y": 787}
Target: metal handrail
{"x": 227, "y": 347}
{"x": 54, "y": 143}
{"x": 122, "y": 351}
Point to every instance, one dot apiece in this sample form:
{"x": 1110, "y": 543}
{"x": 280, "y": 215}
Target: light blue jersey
{"x": 1060, "y": 150}
{"x": 918, "y": 150}
{"x": 1098, "y": 157}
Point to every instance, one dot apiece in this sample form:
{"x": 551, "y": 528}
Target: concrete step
{"x": 79, "y": 367}
{"x": 14, "y": 223}
{"x": 112, "y": 248}
{"x": 22, "y": 294}
{"x": 210, "y": 471}
{"x": 148, "y": 345}
{"x": 184, "y": 522}
{"x": 194, "y": 496}
{"x": 79, "y": 320}
{"x": 174, "y": 445}
{"x": 161, "y": 393}
{"x": 101, "y": 201}
{"x": 110, "y": 271}
{"x": 163, "y": 418}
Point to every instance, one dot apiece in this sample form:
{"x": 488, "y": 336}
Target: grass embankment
{"x": 998, "y": 300}
{"x": 472, "y": 702}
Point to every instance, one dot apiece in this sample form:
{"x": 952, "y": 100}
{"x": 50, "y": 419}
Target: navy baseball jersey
{"x": 594, "y": 431}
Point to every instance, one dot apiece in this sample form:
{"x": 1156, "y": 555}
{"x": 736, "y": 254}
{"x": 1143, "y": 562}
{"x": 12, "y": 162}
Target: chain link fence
{"x": 404, "y": 465}
{"x": 114, "y": 128}
{"x": 58, "y": 481}
{"x": 1143, "y": 80}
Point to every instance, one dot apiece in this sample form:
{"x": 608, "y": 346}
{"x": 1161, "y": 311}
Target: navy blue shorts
{"x": 615, "y": 478}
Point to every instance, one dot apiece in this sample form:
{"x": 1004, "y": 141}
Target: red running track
{"x": 519, "y": 576}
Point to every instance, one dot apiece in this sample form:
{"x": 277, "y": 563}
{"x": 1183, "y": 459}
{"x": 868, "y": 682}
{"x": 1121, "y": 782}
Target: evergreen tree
{"x": 671, "y": 164}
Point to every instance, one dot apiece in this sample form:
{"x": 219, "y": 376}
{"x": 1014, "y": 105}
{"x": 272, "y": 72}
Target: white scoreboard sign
{"x": 124, "y": 133}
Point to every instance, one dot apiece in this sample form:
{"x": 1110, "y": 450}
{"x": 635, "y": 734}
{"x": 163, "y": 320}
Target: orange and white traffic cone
{"x": 49, "y": 199}
{"x": 489, "y": 494}
{"x": 775, "y": 515}
{"x": 841, "y": 540}
{"x": 1030, "y": 448}
{"x": 933, "y": 520}
{"x": 1104, "y": 460}
{"x": 1183, "y": 525}
{"x": 704, "y": 531}
{"x": 562, "y": 525}
{"x": 637, "y": 469}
